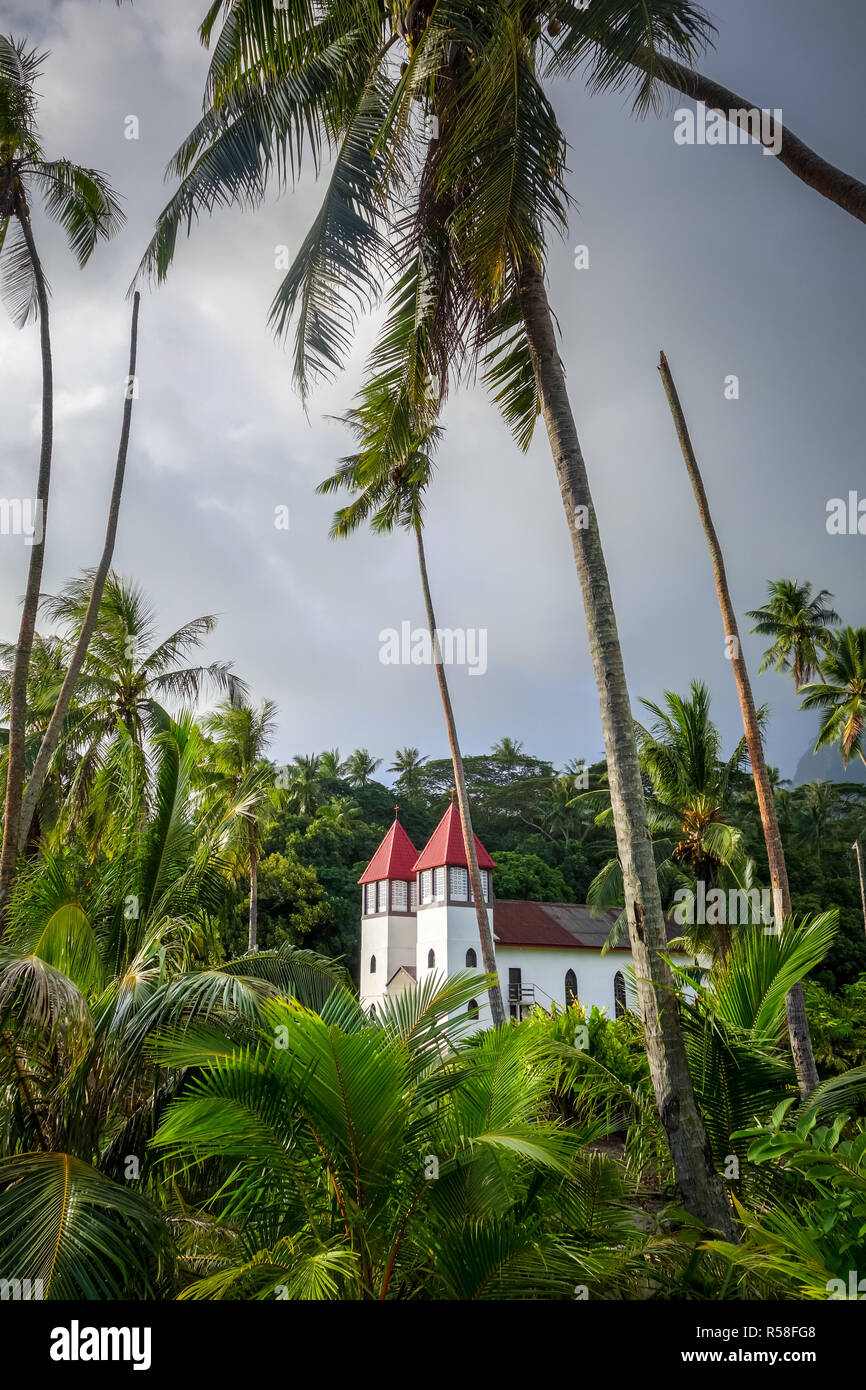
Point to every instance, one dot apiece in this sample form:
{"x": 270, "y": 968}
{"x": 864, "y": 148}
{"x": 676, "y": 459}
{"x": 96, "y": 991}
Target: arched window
{"x": 471, "y": 958}
{"x": 570, "y": 987}
{"x": 619, "y": 994}
{"x": 372, "y": 1010}
{"x": 372, "y": 965}
{"x": 431, "y": 958}
{"x": 472, "y": 1008}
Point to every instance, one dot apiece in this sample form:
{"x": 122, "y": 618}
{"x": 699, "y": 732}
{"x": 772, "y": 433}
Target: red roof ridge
{"x": 395, "y": 857}
{"x": 445, "y": 846}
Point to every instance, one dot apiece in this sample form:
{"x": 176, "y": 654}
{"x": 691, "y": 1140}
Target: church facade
{"x": 418, "y": 919}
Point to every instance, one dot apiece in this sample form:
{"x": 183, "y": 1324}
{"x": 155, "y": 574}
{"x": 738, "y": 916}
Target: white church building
{"x": 418, "y": 918}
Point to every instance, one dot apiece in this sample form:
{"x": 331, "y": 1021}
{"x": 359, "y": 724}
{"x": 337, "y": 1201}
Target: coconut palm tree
{"x": 128, "y": 673}
{"x": 301, "y": 779}
{"x": 331, "y": 765}
{"x": 841, "y": 694}
{"x": 82, "y": 201}
{"x": 594, "y": 38}
{"x": 101, "y": 953}
{"x": 508, "y": 751}
{"x": 54, "y": 728}
{"x": 798, "y": 622}
{"x": 389, "y": 476}
{"x": 240, "y": 735}
{"x": 452, "y": 164}
{"x": 798, "y": 1022}
{"x": 690, "y": 806}
{"x": 408, "y": 764}
{"x": 360, "y": 766}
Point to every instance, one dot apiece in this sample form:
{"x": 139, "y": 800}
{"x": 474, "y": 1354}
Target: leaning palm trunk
{"x": 488, "y": 953}
{"x": 804, "y": 163}
{"x": 858, "y": 850}
{"x": 798, "y": 1023}
{"x": 702, "y": 1188}
{"x": 252, "y": 942}
{"x": 55, "y": 725}
{"x": 21, "y": 667}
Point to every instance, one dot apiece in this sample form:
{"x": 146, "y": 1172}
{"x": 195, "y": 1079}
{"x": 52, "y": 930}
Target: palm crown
{"x": 798, "y": 621}
{"x": 842, "y": 695}
{"x": 447, "y": 170}
{"x": 80, "y": 199}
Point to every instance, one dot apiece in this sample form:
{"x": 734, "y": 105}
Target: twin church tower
{"x": 418, "y": 913}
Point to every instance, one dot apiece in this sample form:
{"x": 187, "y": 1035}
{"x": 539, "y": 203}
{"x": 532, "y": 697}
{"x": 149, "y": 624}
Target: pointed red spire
{"x": 394, "y": 858}
{"x": 445, "y": 846}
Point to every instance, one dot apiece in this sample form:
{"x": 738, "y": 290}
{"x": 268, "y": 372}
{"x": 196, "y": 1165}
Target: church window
{"x": 399, "y": 895}
{"x": 459, "y": 884}
{"x": 619, "y": 994}
{"x": 426, "y": 885}
{"x": 372, "y": 965}
{"x": 383, "y": 895}
{"x": 371, "y": 898}
{"x": 413, "y": 895}
{"x": 471, "y": 958}
{"x": 431, "y": 958}
{"x": 439, "y": 884}
{"x": 570, "y": 987}
{"x": 472, "y": 1008}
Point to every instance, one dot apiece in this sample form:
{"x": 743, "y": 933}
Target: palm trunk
{"x": 488, "y": 953}
{"x": 858, "y": 850}
{"x": 702, "y": 1189}
{"x": 21, "y": 667}
{"x": 795, "y": 1005}
{"x": 55, "y": 724}
{"x": 252, "y": 942}
{"x": 843, "y": 189}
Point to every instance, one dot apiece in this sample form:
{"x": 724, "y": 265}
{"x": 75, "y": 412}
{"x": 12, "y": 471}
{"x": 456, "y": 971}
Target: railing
{"x": 521, "y": 994}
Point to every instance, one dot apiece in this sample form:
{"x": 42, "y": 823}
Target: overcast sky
{"x": 716, "y": 254}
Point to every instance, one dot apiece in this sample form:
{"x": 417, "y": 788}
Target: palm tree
{"x": 302, "y": 780}
{"x": 689, "y": 804}
{"x": 360, "y": 766}
{"x": 340, "y": 813}
{"x": 508, "y": 751}
{"x": 389, "y": 476}
{"x": 822, "y": 800}
{"x": 127, "y": 673}
{"x": 511, "y": 1208}
{"x": 101, "y": 953}
{"x": 82, "y": 201}
{"x": 240, "y": 735}
{"x": 469, "y": 211}
{"x": 54, "y": 728}
{"x": 798, "y": 622}
{"x": 841, "y": 694}
{"x": 798, "y": 1022}
{"x": 331, "y": 765}
{"x": 408, "y": 764}
{"x": 691, "y": 785}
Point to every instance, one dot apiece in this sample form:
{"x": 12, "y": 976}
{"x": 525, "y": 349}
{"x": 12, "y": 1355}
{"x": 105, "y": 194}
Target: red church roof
{"x": 395, "y": 857}
{"x": 445, "y": 846}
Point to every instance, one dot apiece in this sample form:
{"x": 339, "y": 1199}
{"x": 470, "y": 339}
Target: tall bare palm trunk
{"x": 21, "y": 667}
{"x": 488, "y": 953}
{"x": 795, "y": 1004}
{"x": 252, "y": 942}
{"x": 858, "y": 850}
{"x": 702, "y": 1188}
{"x": 61, "y": 709}
{"x": 804, "y": 163}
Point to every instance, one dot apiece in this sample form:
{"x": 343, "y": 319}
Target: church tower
{"x": 448, "y": 939}
{"x": 388, "y": 902}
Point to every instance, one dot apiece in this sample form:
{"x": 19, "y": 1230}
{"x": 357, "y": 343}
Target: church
{"x": 418, "y": 918}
